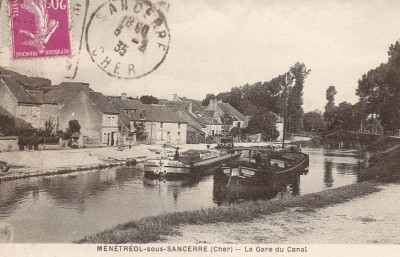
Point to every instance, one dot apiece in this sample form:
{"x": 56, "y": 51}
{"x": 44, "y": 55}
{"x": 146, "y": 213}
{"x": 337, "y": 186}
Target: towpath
{"x": 373, "y": 219}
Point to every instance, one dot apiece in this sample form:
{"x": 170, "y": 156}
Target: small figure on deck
{"x": 176, "y": 157}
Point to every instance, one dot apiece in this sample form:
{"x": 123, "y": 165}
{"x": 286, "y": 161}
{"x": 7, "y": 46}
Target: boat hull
{"x": 165, "y": 167}
{"x": 251, "y": 176}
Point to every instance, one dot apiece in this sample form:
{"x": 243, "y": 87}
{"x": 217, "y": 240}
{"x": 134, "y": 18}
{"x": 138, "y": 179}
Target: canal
{"x": 65, "y": 208}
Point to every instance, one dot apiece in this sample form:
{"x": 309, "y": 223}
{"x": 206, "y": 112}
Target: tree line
{"x": 379, "y": 99}
{"x": 265, "y": 100}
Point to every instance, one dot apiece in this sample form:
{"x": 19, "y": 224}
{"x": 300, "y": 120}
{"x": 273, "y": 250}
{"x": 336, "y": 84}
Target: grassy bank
{"x": 385, "y": 161}
{"x": 152, "y": 229}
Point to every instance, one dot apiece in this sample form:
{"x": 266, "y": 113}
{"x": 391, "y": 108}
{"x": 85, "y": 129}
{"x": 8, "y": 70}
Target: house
{"x": 96, "y": 115}
{"x": 195, "y": 115}
{"x": 195, "y": 133}
{"x": 226, "y": 114}
{"x": 161, "y": 125}
{"x": 110, "y": 118}
{"x": 26, "y": 104}
{"x": 127, "y": 107}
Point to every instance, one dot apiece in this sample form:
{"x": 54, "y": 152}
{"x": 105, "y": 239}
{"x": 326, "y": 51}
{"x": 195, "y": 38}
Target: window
{"x": 179, "y": 135}
{"x": 108, "y": 121}
{"x": 143, "y": 115}
{"x": 179, "y": 126}
{"x": 119, "y": 128}
{"x": 161, "y": 124}
{"x": 35, "y": 112}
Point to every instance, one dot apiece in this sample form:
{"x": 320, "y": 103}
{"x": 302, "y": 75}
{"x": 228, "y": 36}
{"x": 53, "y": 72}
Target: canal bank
{"x": 25, "y": 164}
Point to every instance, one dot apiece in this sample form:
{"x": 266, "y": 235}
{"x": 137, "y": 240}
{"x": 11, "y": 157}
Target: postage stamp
{"x": 40, "y": 28}
{"x": 134, "y": 38}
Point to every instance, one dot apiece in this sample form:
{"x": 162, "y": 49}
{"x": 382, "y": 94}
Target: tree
{"x": 295, "y": 100}
{"x": 149, "y": 99}
{"x": 48, "y": 129}
{"x": 314, "y": 121}
{"x": 7, "y": 125}
{"x": 330, "y": 105}
{"x": 73, "y": 127}
{"x": 206, "y": 100}
{"x": 140, "y": 131}
{"x": 263, "y": 121}
{"x": 347, "y": 117}
{"x": 379, "y": 90}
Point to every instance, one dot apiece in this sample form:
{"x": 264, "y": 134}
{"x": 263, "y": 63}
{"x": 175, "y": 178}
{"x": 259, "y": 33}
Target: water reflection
{"x": 328, "y": 178}
{"x": 64, "y": 208}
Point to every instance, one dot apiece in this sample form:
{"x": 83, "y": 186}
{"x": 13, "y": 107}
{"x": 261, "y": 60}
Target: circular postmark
{"x": 127, "y": 38}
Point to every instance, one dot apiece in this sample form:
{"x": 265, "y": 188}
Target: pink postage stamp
{"x": 40, "y": 28}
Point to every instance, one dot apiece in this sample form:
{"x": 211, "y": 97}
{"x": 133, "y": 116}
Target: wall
{"x": 29, "y": 113}
{"x": 109, "y": 129}
{"x": 8, "y": 144}
{"x": 158, "y": 133}
{"x": 49, "y": 112}
{"x": 81, "y": 108}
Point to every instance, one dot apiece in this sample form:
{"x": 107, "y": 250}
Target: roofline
{"x": 1, "y": 77}
{"x": 184, "y": 122}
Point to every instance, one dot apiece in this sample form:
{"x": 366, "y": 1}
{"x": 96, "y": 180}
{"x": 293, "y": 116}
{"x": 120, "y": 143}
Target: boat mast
{"x": 284, "y": 111}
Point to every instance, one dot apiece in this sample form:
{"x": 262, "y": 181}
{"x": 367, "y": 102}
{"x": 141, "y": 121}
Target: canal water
{"x": 64, "y": 208}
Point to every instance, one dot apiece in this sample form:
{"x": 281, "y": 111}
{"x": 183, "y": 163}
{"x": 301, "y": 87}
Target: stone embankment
{"x": 43, "y": 163}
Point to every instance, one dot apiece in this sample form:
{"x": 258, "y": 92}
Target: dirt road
{"x": 373, "y": 219}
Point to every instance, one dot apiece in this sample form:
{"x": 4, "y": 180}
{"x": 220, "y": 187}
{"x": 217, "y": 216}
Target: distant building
{"x": 226, "y": 114}
{"x": 161, "y": 125}
{"x": 26, "y": 104}
{"x": 96, "y": 115}
{"x": 195, "y": 115}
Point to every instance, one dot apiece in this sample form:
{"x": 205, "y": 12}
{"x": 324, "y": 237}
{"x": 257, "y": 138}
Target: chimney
{"x": 123, "y": 96}
{"x": 85, "y": 87}
{"x": 175, "y": 98}
{"x": 214, "y": 104}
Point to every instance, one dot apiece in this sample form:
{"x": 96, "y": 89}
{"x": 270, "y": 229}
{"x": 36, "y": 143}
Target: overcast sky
{"x": 216, "y": 45}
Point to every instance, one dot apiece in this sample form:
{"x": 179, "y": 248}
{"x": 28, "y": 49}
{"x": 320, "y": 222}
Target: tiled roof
{"x": 192, "y": 128}
{"x": 180, "y": 105}
{"x": 157, "y": 113}
{"x": 103, "y": 103}
{"x": 127, "y": 104}
{"x": 211, "y": 120}
{"x": 19, "y": 123}
{"x": 17, "y": 89}
{"x": 196, "y": 106}
{"x": 64, "y": 92}
{"x": 229, "y": 109}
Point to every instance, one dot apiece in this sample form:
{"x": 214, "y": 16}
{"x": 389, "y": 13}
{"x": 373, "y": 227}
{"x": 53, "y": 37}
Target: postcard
{"x": 199, "y": 128}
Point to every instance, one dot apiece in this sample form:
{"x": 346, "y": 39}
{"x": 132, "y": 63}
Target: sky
{"x": 216, "y": 45}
